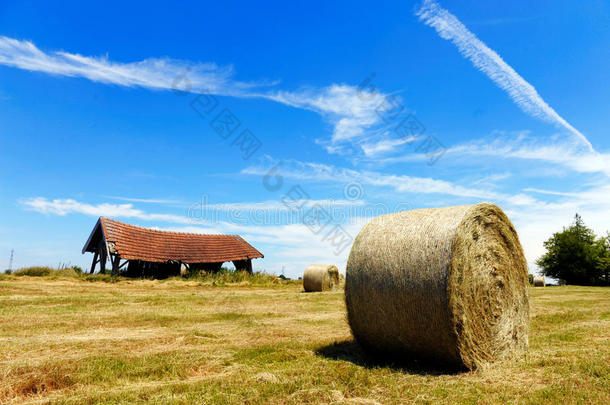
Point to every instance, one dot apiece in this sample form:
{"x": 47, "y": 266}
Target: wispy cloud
{"x": 197, "y": 213}
{"x": 374, "y": 148}
{"x": 317, "y": 172}
{"x": 353, "y": 111}
{"x": 550, "y": 192}
{"x": 274, "y": 205}
{"x": 524, "y": 147}
{"x": 69, "y": 206}
{"x": 516, "y": 145}
{"x": 489, "y": 62}
{"x": 165, "y": 201}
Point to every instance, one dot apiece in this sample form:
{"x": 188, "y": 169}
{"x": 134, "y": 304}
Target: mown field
{"x": 174, "y": 341}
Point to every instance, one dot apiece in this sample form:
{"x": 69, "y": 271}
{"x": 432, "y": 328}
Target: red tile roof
{"x": 136, "y": 243}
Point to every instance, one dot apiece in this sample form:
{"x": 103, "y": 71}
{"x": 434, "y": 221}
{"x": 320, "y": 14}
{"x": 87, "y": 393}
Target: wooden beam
{"x": 103, "y": 260}
{"x": 249, "y": 266}
{"x": 115, "y": 264}
{"x": 243, "y": 265}
{"x": 93, "y": 263}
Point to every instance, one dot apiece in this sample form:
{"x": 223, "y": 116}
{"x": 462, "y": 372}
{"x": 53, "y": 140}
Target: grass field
{"x": 74, "y": 341}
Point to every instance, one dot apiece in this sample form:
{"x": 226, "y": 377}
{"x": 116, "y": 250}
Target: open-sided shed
{"x": 162, "y": 253}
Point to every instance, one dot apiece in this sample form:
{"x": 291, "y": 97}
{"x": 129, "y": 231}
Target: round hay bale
{"x": 447, "y": 284}
{"x": 539, "y": 281}
{"x": 320, "y": 277}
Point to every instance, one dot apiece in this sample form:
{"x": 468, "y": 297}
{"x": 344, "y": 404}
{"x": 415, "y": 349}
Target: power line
{"x": 10, "y": 262}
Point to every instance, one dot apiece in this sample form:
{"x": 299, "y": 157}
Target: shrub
{"x": 232, "y": 276}
{"x": 35, "y": 271}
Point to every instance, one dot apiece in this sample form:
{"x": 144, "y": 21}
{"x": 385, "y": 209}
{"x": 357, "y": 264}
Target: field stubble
{"x": 74, "y": 341}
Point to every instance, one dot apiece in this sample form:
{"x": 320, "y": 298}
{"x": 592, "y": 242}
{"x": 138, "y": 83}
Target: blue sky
{"x": 359, "y": 109}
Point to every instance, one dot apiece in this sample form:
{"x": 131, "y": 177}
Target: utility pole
{"x": 10, "y": 262}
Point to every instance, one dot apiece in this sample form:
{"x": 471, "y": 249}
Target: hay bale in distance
{"x": 448, "y": 284}
{"x": 320, "y": 277}
{"x": 539, "y": 281}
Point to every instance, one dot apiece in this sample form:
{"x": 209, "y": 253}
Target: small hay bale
{"x": 446, "y": 284}
{"x": 320, "y": 277}
{"x": 539, "y": 281}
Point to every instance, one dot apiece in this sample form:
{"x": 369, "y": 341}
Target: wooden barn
{"x": 152, "y": 253}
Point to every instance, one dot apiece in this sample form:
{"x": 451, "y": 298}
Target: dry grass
{"x": 73, "y": 341}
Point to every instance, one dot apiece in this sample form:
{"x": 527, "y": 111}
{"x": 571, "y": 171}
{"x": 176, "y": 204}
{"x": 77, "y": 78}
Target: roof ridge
{"x": 172, "y": 232}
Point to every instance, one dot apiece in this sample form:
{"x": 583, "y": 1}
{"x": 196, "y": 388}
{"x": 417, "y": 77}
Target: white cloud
{"x": 516, "y": 145}
{"x": 307, "y": 171}
{"x": 565, "y": 154}
{"x": 550, "y": 192}
{"x": 67, "y": 206}
{"x": 492, "y": 179}
{"x": 350, "y": 109}
{"x": 150, "y": 73}
{"x": 163, "y": 201}
{"x": 353, "y": 111}
{"x": 274, "y": 205}
{"x": 489, "y": 62}
{"x": 384, "y": 146}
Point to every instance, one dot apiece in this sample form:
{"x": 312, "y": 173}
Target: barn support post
{"x": 93, "y": 263}
{"x": 115, "y": 264}
{"x": 103, "y": 260}
{"x": 243, "y": 265}
{"x": 249, "y": 266}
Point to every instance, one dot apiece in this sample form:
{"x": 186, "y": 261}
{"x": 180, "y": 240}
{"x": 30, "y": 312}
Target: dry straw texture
{"x": 539, "y": 281}
{"x": 320, "y": 277}
{"x": 448, "y": 284}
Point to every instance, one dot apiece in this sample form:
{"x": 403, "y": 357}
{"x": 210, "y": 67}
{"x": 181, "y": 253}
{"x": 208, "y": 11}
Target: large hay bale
{"x": 539, "y": 281}
{"x": 448, "y": 284}
{"x": 320, "y": 277}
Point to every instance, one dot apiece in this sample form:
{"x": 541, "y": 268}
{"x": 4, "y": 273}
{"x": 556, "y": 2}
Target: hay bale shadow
{"x": 350, "y": 350}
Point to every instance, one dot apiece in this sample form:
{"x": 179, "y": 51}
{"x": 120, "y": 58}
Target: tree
{"x": 603, "y": 261}
{"x": 576, "y": 256}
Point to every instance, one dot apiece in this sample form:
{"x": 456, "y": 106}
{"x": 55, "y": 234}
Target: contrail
{"x": 489, "y": 62}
